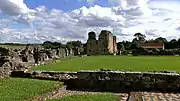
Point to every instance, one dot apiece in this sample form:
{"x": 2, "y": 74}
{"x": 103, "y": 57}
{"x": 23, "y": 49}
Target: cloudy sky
{"x": 33, "y": 21}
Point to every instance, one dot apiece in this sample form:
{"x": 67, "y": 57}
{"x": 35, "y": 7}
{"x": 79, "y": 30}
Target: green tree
{"x": 178, "y": 42}
{"x": 122, "y": 48}
{"x": 74, "y": 44}
{"x": 56, "y": 45}
{"x": 140, "y": 37}
{"x": 51, "y": 45}
{"x": 47, "y": 44}
{"x": 174, "y": 43}
{"x": 161, "y": 40}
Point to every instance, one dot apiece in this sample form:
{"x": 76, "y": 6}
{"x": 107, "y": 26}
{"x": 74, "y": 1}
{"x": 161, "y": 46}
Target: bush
{"x": 125, "y": 52}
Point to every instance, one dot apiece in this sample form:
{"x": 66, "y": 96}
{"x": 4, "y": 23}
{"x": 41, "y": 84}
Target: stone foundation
{"x": 113, "y": 81}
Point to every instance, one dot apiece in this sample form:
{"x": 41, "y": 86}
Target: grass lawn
{"x": 18, "y": 89}
{"x": 13, "y": 46}
{"x": 89, "y": 97}
{"x": 135, "y": 63}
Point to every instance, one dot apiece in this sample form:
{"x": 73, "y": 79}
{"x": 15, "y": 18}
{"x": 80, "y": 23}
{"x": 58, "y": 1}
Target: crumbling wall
{"x": 113, "y": 81}
{"x": 125, "y": 81}
{"x": 11, "y": 60}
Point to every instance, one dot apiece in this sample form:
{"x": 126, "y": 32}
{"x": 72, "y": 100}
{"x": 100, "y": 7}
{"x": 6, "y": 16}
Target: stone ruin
{"x": 110, "y": 81}
{"x": 11, "y": 60}
{"x": 27, "y": 54}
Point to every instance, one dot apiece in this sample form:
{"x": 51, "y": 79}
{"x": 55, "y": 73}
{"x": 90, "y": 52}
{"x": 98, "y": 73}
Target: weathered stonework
{"x": 113, "y": 81}
{"x": 126, "y": 81}
{"x": 11, "y": 60}
{"x": 105, "y": 45}
{"x": 61, "y": 76}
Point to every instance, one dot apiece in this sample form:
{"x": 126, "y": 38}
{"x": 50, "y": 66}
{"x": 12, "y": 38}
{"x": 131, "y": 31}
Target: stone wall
{"x": 113, "y": 81}
{"x": 60, "y": 76}
{"x": 124, "y": 81}
{"x": 105, "y": 45}
{"x": 11, "y": 60}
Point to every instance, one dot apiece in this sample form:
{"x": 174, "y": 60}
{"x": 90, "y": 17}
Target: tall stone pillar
{"x": 115, "y": 45}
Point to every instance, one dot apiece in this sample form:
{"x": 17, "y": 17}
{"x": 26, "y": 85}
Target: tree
{"x": 140, "y": 37}
{"x": 178, "y": 43}
{"x": 57, "y": 45}
{"x": 69, "y": 45}
{"x": 47, "y": 44}
{"x": 51, "y": 45}
{"x": 122, "y": 48}
{"x": 173, "y": 43}
{"x": 161, "y": 40}
{"x": 74, "y": 44}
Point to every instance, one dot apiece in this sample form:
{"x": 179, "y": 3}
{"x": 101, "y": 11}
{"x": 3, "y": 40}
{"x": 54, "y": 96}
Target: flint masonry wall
{"x": 11, "y": 60}
{"x": 115, "y": 81}
{"x": 126, "y": 81}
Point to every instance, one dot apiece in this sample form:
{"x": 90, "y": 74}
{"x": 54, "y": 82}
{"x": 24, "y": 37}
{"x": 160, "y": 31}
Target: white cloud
{"x": 18, "y": 9}
{"x": 124, "y": 20}
{"x": 13, "y": 7}
{"x": 132, "y": 8}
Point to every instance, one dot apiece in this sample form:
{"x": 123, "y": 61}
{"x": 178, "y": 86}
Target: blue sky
{"x": 42, "y": 20}
{"x": 65, "y": 5}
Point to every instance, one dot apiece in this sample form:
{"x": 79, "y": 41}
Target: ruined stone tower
{"x": 105, "y": 45}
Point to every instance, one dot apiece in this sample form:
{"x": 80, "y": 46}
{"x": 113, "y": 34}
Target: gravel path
{"x": 146, "y": 96}
{"x": 142, "y": 96}
{"x": 151, "y": 96}
{"x": 64, "y": 93}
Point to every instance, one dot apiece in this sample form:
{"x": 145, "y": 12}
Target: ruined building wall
{"x": 91, "y": 43}
{"x": 110, "y": 44}
{"x": 11, "y": 60}
{"x": 103, "y": 42}
{"x": 103, "y": 46}
{"x": 115, "y": 45}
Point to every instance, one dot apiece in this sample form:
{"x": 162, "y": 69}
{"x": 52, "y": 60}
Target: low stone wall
{"x": 58, "y": 76}
{"x": 113, "y": 81}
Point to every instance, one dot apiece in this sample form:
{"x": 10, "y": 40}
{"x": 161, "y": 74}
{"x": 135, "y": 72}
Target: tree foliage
{"x": 123, "y": 45}
{"x": 52, "y": 45}
{"x": 56, "y": 45}
{"x": 140, "y": 37}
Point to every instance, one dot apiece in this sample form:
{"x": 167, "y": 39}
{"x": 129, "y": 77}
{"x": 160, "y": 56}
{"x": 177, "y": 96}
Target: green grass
{"x": 18, "y": 89}
{"x": 13, "y": 46}
{"x": 139, "y": 63}
{"x": 89, "y": 97}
